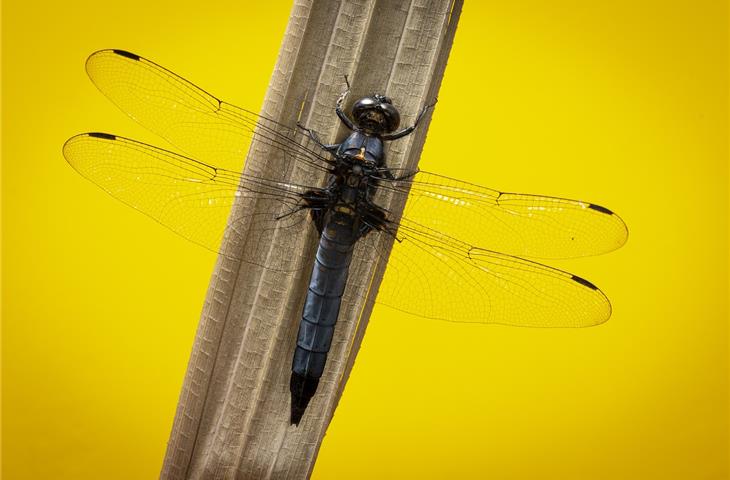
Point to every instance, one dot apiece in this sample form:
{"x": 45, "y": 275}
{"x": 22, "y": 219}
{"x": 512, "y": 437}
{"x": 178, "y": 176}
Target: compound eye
{"x": 392, "y": 116}
{"x": 362, "y": 105}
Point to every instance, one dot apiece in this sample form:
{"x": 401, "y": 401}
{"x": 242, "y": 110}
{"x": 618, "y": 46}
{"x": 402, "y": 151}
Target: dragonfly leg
{"x": 373, "y": 218}
{"x": 315, "y": 138}
{"x": 406, "y": 176}
{"x": 338, "y": 108}
{"x": 317, "y": 202}
{"x": 409, "y": 130}
{"x": 292, "y": 212}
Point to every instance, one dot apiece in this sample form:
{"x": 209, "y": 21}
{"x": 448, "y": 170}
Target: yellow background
{"x": 620, "y": 103}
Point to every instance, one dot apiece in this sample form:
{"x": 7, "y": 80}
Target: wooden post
{"x": 232, "y": 419}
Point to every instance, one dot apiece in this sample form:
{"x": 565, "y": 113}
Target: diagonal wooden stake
{"x": 232, "y": 419}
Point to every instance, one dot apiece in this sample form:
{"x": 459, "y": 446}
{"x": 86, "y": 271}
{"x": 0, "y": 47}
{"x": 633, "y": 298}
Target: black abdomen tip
{"x": 127, "y": 54}
{"x": 302, "y": 388}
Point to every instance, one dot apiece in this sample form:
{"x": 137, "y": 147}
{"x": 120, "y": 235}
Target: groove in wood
{"x": 232, "y": 417}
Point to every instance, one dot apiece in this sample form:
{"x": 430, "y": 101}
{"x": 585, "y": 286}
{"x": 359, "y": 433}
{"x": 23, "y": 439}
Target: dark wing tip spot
{"x": 583, "y": 282}
{"x": 601, "y": 209}
{"x": 106, "y": 136}
{"x": 127, "y": 54}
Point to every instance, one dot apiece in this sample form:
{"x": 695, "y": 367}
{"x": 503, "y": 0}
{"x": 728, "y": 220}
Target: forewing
{"x": 196, "y": 122}
{"x": 192, "y": 198}
{"x": 525, "y": 225}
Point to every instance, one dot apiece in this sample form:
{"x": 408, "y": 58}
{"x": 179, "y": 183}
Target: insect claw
{"x": 291, "y": 212}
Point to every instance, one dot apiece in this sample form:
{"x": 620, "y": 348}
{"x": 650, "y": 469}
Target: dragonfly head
{"x": 376, "y": 113}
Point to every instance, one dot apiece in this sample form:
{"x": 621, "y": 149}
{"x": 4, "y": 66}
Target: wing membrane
{"x": 445, "y": 264}
{"x": 435, "y": 276}
{"x": 190, "y": 118}
{"x": 191, "y": 198}
{"x": 525, "y": 225}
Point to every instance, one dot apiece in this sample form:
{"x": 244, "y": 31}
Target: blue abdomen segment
{"x": 321, "y": 308}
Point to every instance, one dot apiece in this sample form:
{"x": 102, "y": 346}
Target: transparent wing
{"x": 199, "y": 124}
{"x": 525, "y": 225}
{"x": 432, "y": 275}
{"x": 192, "y": 198}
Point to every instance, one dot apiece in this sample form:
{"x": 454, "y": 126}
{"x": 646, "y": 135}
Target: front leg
{"x": 409, "y": 130}
{"x": 332, "y": 148}
{"x": 338, "y": 108}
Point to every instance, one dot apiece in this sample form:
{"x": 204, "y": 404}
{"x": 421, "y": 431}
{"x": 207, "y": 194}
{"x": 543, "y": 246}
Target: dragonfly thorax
{"x": 352, "y": 184}
{"x": 360, "y": 147}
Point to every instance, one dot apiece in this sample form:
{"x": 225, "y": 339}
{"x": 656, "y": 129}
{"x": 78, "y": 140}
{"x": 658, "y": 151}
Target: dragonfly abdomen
{"x": 321, "y": 308}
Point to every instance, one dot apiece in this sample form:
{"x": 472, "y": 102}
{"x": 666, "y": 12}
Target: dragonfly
{"x": 460, "y": 252}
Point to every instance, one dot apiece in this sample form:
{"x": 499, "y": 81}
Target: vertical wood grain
{"x": 232, "y": 419}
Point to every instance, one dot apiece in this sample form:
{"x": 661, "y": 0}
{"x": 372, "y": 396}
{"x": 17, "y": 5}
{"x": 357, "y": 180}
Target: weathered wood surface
{"x": 232, "y": 419}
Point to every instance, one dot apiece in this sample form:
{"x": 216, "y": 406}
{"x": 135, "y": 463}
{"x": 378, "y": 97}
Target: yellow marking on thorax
{"x": 343, "y": 209}
{"x": 361, "y": 155}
